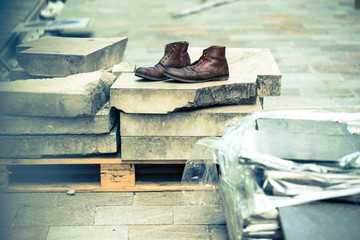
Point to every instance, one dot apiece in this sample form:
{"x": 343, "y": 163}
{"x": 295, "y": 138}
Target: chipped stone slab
{"x": 81, "y": 94}
{"x": 157, "y": 148}
{"x": 136, "y": 95}
{"x": 253, "y": 72}
{"x": 60, "y": 56}
{"x": 257, "y": 61}
{"x": 202, "y": 122}
{"x": 102, "y": 122}
{"x": 34, "y": 146}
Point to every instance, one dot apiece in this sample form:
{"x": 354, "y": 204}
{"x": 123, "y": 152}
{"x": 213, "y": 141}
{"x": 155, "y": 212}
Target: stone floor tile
{"x": 88, "y": 233}
{"x": 22, "y": 233}
{"x": 96, "y": 199}
{"x": 169, "y": 232}
{"x": 198, "y": 214}
{"x": 218, "y": 232}
{"x": 55, "y": 216}
{"x": 348, "y": 102}
{"x": 29, "y": 199}
{"x": 134, "y": 215}
{"x": 7, "y": 215}
{"x": 174, "y": 198}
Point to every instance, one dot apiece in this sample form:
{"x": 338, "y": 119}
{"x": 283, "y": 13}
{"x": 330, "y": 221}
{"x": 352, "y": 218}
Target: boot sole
{"x": 150, "y": 78}
{"x": 218, "y": 78}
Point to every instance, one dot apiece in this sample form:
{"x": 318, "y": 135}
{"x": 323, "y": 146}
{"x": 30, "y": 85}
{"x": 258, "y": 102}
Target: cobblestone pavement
{"x": 315, "y": 44}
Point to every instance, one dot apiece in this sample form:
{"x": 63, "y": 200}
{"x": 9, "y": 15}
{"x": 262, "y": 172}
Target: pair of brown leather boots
{"x": 176, "y": 64}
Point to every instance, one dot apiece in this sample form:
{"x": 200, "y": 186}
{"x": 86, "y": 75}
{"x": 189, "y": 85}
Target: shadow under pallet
{"x": 90, "y": 174}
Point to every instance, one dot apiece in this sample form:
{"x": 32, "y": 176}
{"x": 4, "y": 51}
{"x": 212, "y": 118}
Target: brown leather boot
{"x": 175, "y": 55}
{"x": 212, "y": 66}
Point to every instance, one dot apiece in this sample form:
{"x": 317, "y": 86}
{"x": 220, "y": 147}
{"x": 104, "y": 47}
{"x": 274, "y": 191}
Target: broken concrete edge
{"x": 56, "y": 99}
{"x": 200, "y": 122}
{"x": 268, "y": 85}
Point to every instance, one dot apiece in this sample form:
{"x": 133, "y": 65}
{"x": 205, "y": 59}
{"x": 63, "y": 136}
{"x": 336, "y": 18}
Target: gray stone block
{"x": 202, "y": 122}
{"x": 33, "y": 146}
{"x": 123, "y": 68}
{"x": 76, "y": 95}
{"x": 157, "y": 148}
{"x": 252, "y": 72}
{"x": 102, "y": 122}
{"x": 59, "y": 56}
{"x": 28, "y": 233}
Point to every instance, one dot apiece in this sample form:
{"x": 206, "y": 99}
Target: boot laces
{"x": 169, "y": 50}
{"x": 202, "y": 59}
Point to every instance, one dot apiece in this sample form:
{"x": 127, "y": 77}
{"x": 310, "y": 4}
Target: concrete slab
{"x": 252, "y": 72}
{"x": 102, "y": 122}
{"x": 76, "y": 95}
{"x": 136, "y": 95}
{"x": 202, "y": 122}
{"x": 34, "y": 146}
{"x": 157, "y": 148}
{"x": 97, "y": 199}
{"x": 59, "y": 56}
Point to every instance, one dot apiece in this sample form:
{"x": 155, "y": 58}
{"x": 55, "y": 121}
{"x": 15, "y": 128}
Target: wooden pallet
{"x": 111, "y": 174}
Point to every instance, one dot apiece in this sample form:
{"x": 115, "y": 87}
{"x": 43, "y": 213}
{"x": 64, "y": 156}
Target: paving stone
{"x": 58, "y": 56}
{"x": 218, "y": 232}
{"x": 248, "y": 68}
{"x": 34, "y": 146}
{"x": 134, "y": 215}
{"x": 173, "y": 198}
{"x": 203, "y": 122}
{"x": 7, "y": 216}
{"x": 28, "y": 199}
{"x": 88, "y": 232}
{"x": 157, "y": 148}
{"x": 199, "y": 215}
{"x": 28, "y": 233}
{"x": 55, "y": 216}
{"x": 169, "y": 232}
{"x": 76, "y": 95}
{"x": 301, "y": 126}
{"x": 96, "y": 199}
{"x": 102, "y": 122}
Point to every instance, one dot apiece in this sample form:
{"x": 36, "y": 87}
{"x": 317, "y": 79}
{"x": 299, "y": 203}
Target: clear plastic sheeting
{"x": 275, "y": 159}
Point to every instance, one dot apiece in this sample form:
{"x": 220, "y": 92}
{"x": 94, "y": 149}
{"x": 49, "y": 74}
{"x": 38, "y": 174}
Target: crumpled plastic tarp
{"x": 252, "y": 185}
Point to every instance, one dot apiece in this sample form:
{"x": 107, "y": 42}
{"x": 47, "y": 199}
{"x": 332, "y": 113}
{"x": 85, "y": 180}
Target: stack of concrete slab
{"x": 160, "y": 121}
{"x": 69, "y": 113}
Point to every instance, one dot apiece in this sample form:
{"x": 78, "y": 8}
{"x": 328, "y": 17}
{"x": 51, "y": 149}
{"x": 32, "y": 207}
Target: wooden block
{"x": 117, "y": 175}
{"x": 4, "y": 177}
